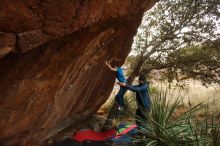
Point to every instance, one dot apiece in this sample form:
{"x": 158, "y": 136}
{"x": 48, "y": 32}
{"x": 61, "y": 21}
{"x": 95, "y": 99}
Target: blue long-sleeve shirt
{"x": 120, "y": 75}
{"x": 142, "y": 94}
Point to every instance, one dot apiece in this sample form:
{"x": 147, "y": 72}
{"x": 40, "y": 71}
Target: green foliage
{"x": 154, "y": 90}
{"x": 171, "y": 27}
{"x": 166, "y": 128}
{"x": 200, "y": 63}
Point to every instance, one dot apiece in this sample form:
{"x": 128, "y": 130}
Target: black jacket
{"x": 142, "y": 95}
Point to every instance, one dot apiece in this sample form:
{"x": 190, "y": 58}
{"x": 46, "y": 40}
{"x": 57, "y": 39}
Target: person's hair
{"x": 142, "y": 78}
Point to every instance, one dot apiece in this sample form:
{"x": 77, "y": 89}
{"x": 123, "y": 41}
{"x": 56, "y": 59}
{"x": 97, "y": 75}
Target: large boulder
{"x": 52, "y": 54}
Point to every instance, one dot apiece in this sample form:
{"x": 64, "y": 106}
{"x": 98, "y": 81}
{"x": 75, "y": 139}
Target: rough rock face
{"x": 52, "y": 73}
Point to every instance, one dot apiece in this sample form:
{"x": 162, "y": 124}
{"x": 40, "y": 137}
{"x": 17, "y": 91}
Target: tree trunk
{"x": 135, "y": 72}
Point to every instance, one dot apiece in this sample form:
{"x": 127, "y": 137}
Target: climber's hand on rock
{"x": 106, "y": 62}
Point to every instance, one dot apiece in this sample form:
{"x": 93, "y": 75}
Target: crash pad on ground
{"x": 84, "y": 135}
{"x": 88, "y": 137}
{"x": 72, "y": 142}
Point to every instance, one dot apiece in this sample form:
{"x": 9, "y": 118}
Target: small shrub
{"x": 166, "y": 127}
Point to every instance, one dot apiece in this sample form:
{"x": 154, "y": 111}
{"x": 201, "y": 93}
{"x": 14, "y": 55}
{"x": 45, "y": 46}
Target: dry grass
{"x": 192, "y": 94}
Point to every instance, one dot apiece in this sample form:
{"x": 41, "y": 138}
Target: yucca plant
{"x": 210, "y": 129}
{"x": 165, "y": 128}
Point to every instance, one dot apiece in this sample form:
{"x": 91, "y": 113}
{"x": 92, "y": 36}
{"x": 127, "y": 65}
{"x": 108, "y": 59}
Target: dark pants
{"x": 120, "y": 96}
{"x": 142, "y": 117}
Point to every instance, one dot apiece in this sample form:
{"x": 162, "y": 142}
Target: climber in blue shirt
{"x": 143, "y": 99}
{"x": 120, "y": 77}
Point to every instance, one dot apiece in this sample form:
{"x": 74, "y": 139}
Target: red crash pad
{"x": 93, "y": 135}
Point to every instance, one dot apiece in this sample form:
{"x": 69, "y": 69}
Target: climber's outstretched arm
{"x": 109, "y": 66}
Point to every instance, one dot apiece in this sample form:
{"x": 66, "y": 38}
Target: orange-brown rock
{"x": 52, "y": 54}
